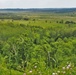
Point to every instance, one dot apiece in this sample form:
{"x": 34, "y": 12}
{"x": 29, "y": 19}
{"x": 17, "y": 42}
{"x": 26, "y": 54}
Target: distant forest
{"x": 55, "y": 10}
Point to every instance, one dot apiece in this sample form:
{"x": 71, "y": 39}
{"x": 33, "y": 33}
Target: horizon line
{"x": 42, "y": 8}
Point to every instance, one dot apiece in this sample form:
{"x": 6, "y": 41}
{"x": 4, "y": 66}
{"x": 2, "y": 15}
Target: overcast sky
{"x": 37, "y": 3}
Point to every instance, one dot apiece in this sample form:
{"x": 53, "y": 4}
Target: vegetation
{"x": 41, "y": 43}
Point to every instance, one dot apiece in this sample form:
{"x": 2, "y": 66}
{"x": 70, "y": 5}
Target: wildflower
{"x": 67, "y": 67}
{"x": 53, "y": 73}
{"x": 58, "y": 71}
{"x": 63, "y": 72}
{"x": 30, "y": 71}
{"x": 63, "y": 68}
{"x": 35, "y": 66}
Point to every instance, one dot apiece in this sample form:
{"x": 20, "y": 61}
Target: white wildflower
{"x": 35, "y": 66}
{"x": 63, "y": 72}
{"x": 69, "y": 64}
{"x": 30, "y": 71}
{"x": 67, "y": 67}
{"x": 58, "y": 71}
{"x": 53, "y": 73}
{"x": 63, "y": 68}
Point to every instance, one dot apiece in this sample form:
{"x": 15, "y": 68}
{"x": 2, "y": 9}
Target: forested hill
{"x": 55, "y": 10}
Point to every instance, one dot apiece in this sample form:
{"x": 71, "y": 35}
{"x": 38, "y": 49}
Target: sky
{"x": 37, "y": 3}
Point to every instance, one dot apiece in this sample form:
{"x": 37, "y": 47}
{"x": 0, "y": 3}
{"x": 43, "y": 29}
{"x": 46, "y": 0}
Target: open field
{"x": 38, "y": 43}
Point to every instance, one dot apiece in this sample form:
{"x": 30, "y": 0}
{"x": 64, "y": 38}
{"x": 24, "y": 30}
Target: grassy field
{"x": 38, "y": 43}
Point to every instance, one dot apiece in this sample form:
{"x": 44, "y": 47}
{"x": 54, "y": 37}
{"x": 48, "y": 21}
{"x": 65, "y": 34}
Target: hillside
{"x": 38, "y": 42}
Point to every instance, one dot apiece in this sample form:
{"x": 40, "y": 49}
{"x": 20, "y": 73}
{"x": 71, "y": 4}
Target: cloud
{"x": 37, "y": 3}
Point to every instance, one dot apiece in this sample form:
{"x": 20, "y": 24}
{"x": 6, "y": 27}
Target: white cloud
{"x": 37, "y": 3}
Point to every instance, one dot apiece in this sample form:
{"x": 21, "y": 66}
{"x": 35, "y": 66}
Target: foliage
{"x": 37, "y": 46}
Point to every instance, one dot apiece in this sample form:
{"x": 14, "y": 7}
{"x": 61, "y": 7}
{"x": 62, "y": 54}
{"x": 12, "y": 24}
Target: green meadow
{"x": 37, "y": 43}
